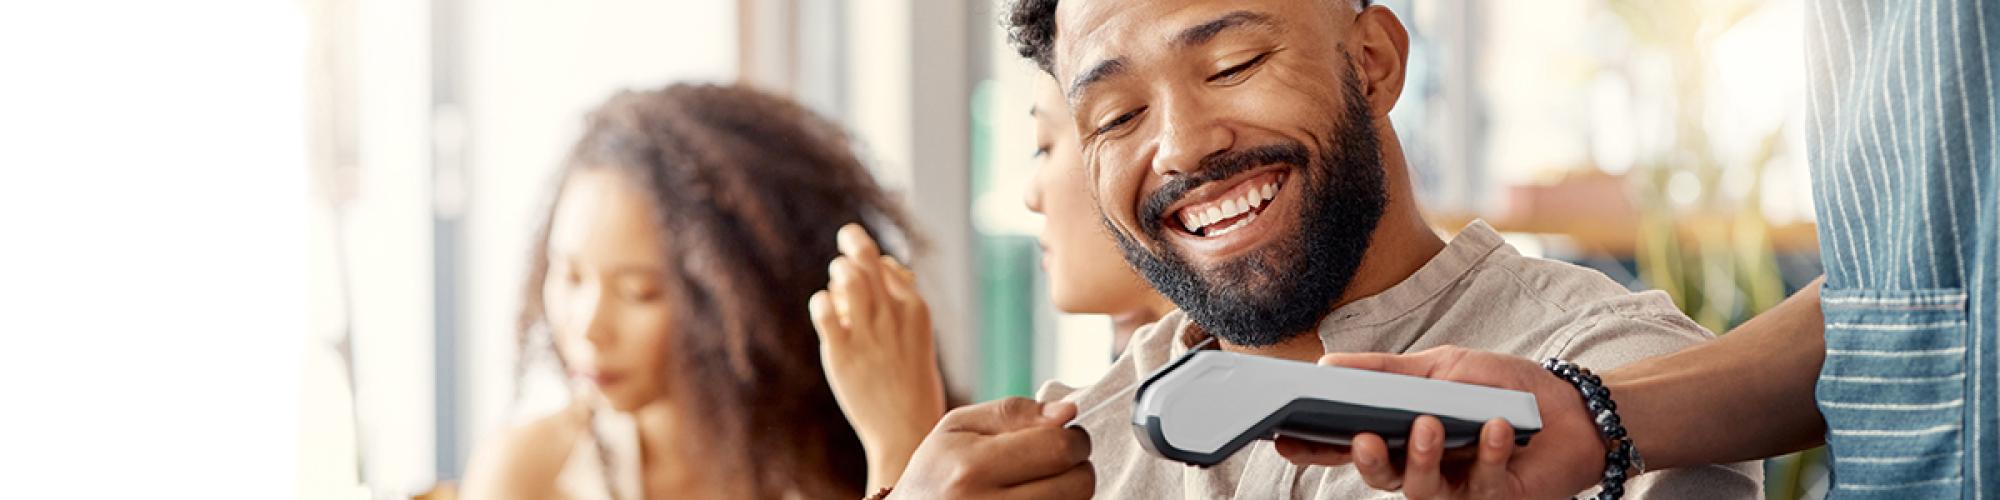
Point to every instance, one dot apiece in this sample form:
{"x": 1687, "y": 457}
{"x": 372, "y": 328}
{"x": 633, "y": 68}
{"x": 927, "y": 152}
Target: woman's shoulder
{"x": 524, "y": 460}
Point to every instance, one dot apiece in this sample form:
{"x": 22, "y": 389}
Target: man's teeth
{"x": 1195, "y": 220}
{"x": 1232, "y": 227}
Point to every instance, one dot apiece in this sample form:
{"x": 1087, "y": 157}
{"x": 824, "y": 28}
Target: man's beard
{"x": 1281, "y": 290}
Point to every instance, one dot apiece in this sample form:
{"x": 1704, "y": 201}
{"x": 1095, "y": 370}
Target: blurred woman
{"x": 671, "y": 277}
{"x": 1086, "y": 272}
{"x": 878, "y": 348}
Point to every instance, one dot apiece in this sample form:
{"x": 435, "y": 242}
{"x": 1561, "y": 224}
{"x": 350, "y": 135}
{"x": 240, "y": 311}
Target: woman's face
{"x": 1087, "y": 275}
{"x": 605, "y": 291}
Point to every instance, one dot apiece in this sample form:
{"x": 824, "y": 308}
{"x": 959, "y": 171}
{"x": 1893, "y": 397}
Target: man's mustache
{"x": 1216, "y": 167}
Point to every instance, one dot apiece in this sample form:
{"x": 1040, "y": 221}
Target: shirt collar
{"x": 1466, "y": 250}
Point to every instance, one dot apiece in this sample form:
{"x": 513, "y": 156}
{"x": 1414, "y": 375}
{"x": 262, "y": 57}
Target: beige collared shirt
{"x": 1478, "y": 293}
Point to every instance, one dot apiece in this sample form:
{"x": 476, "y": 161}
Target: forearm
{"x": 888, "y": 457}
{"x": 890, "y": 437}
{"x": 1745, "y": 396}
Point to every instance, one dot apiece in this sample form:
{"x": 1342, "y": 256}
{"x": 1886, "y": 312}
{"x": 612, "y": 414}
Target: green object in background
{"x": 1006, "y": 315}
{"x": 1006, "y": 265}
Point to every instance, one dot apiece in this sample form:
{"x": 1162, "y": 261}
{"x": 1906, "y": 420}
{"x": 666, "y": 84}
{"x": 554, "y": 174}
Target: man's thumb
{"x": 1413, "y": 365}
{"x": 1007, "y": 415}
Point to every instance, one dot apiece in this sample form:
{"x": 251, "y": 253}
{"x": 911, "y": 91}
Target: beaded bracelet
{"x": 1622, "y": 457}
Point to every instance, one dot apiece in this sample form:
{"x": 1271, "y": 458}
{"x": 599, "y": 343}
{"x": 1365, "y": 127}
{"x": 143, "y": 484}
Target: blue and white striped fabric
{"x": 1902, "y": 140}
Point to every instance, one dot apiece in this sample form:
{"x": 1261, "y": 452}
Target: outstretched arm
{"x": 1747, "y": 395}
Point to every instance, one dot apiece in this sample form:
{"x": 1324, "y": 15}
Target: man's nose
{"x": 1188, "y": 134}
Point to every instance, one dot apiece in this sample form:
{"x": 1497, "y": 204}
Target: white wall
{"x": 907, "y": 103}
{"x": 152, "y": 179}
{"x": 389, "y": 244}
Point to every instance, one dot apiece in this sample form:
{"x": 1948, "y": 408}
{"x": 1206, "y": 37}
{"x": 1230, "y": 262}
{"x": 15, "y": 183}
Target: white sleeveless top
{"x": 583, "y": 475}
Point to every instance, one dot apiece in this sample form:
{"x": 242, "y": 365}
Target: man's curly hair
{"x": 1031, "y": 27}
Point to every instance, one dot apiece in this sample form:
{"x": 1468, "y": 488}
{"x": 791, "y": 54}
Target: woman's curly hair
{"x": 748, "y": 189}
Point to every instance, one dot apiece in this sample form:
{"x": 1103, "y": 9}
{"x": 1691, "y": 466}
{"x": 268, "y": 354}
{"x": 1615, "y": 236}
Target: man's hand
{"x": 1565, "y": 457}
{"x": 879, "y": 356}
{"x": 1008, "y": 448}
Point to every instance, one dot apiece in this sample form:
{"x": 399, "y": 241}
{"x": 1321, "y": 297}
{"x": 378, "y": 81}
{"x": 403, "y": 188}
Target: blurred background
{"x": 401, "y": 152}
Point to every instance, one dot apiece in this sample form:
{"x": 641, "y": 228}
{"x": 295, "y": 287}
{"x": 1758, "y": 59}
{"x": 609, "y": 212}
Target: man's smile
{"x": 1222, "y": 217}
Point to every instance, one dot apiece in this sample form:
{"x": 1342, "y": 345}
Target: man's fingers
{"x": 1034, "y": 453}
{"x": 1371, "y": 459}
{"x": 1413, "y": 365}
{"x": 1005, "y": 415}
{"x": 1421, "y": 478}
{"x": 1489, "y": 477}
{"x": 1077, "y": 482}
{"x": 1303, "y": 452}
{"x": 824, "y": 319}
{"x": 1058, "y": 411}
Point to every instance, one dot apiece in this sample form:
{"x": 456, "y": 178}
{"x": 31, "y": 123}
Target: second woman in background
{"x": 1086, "y": 273}
{"x": 671, "y": 277}
{"x": 877, "y": 345}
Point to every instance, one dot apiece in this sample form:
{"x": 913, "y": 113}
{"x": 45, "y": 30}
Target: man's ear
{"x": 1382, "y": 50}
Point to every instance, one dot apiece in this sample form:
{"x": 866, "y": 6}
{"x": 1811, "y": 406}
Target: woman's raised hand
{"x": 878, "y": 351}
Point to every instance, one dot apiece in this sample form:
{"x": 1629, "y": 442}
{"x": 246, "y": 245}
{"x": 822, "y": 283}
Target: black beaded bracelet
{"x": 1623, "y": 459}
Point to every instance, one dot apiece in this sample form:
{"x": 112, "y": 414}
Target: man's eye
{"x": 1117, "y": 122}
{"x": 1232, "y": 71}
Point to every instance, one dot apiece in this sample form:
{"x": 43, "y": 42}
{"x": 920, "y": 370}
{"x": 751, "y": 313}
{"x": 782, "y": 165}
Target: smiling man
{"x": 1241, "y": 153}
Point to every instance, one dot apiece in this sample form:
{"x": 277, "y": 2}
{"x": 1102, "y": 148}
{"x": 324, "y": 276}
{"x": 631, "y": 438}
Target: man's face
{"x": 1229, "y": 150}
